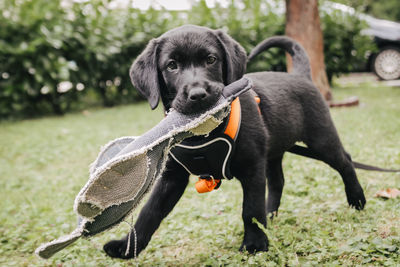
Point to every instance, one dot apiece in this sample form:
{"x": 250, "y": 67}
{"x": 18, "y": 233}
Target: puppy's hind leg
{"x": 276, "y": 181}
{"x": 331, "y": 151}
{"x": 165, "y": 195}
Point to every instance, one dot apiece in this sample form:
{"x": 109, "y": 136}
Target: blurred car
{"x": 386, "y": 62}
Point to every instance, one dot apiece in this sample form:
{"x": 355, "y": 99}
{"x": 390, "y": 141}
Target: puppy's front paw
{"x": 255, "y": 245}
{"x": 356, "y": 198}
{"x": 117, "y": 249}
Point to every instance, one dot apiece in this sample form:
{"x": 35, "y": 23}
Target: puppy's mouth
{"x": 197, "y": 99}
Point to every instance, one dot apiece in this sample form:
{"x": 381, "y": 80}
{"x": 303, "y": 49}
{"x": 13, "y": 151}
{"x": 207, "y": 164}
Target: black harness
{"x": 209, "y": 156}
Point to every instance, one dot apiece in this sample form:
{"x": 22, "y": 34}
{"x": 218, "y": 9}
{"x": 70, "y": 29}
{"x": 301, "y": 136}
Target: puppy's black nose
{"x": 197, "y": 93}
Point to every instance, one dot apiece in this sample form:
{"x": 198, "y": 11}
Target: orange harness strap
{"x": 232, "y": 128}
{"x": 258, "y": 101}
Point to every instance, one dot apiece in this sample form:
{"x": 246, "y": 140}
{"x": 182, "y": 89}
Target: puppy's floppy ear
{"x": 144, "y": 74}
{"x": 235, "y": 57}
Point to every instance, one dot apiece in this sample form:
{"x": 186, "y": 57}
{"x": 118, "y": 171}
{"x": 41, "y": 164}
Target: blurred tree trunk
{"x": 303, "y": 25}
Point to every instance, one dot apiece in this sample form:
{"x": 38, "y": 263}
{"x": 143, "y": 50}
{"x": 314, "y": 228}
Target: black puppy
{"x": 187, "y": 68}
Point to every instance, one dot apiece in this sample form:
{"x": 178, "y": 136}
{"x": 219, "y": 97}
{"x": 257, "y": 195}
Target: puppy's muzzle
{"x": 197, "y": 94}
{"x": 197, "y": 97}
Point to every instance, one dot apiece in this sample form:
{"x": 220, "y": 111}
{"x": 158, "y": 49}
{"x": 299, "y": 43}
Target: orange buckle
{"x": 207, "y": 185}
{"x": 258, "y": 100}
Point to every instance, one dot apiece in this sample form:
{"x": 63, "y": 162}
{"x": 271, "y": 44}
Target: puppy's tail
{"x": 306, "y": 152}
{"x": 301, "y": 64}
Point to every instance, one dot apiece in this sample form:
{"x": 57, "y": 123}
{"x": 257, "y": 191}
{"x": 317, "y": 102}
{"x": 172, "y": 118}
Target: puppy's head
{"x": 187, "y": 68}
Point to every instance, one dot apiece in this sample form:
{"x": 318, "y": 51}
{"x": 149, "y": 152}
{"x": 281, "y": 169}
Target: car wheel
{"x": 386, "y": 63}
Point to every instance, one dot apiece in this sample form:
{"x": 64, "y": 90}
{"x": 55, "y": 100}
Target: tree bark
{"x": 303, "y": 25}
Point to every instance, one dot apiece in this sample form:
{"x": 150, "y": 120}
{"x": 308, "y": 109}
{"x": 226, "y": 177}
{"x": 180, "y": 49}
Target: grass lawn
{"x": 44, "y": 163}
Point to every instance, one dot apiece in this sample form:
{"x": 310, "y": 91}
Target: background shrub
{"x": 57, "y": 56}
{"x": 345, "y": 49}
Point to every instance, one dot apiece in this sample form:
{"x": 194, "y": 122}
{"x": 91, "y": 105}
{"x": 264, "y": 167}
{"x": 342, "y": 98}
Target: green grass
{"x": 44, "y": 163}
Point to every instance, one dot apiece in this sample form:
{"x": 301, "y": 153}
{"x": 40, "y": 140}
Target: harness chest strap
{"x": 208, "y": 184}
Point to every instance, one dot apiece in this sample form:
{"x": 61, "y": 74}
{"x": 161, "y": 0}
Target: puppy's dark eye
{"x": 211, "y": 60}
{"x": 172, "y": 65}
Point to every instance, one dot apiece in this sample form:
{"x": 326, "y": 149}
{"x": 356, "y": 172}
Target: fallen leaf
{"x": 388, "y": 193}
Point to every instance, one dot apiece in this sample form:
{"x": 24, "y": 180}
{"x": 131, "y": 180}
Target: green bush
{"x": 249, "y": 25}
{"x": 32, "y": 58}
{"x": 345, "y": 49}
{"x": 55, "y": 55}
{"x": 52, "y": 56}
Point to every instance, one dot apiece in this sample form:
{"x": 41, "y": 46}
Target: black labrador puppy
{"x": 187, "y": 68}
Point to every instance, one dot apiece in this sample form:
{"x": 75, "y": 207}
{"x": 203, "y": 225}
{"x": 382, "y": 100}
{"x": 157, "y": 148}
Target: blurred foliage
{"x": 388, "y": 9}
{"x": 345, "y": 49}
{"x": 248, "y": 22}
{"x": 54, "y": 55}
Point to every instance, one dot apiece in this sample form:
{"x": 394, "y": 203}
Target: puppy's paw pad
{"x": 357, "y": 201}
{"x": 117, "y": 249}
{"x": 253, "y": 247}
{"x": 355, "y": 196}
{"x": 358, "y": 204}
